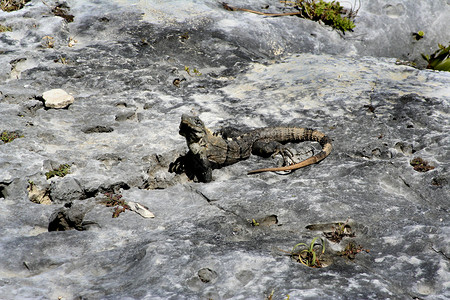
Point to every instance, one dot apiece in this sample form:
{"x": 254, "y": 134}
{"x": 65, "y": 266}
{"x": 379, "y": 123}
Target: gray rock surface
{"x": 121, "y": 135}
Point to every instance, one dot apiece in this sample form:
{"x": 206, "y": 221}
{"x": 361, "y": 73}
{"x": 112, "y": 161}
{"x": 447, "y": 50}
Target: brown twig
{"x": 232, "y": 8}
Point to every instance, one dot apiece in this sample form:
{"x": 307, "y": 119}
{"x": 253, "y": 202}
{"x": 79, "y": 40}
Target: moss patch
{"x": 330, "y": 13}
{"x": 61, "y": 171}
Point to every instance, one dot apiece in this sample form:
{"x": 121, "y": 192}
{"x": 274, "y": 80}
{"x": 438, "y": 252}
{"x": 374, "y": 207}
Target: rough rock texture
{"x": 127, "y": 71}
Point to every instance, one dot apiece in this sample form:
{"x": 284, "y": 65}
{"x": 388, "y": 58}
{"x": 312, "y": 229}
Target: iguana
{"x": 228, "y": 146}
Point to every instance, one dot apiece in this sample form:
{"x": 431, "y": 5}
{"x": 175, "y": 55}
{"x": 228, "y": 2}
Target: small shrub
{"x": 61, "y": 171}
{"x": 116, "y": 201}
{"x": 330, "y": 13}
{"x": 309, "y": 256}
{"x": 9, "y": 136}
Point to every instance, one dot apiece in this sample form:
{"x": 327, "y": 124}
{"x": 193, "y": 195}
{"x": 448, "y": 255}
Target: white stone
{"x": 57, "y": 98}
{"x": 140, "y": 209}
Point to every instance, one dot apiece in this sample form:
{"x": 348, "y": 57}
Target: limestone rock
{"x": 121, "y": 136}
{"x": 66, "y": 189}
{"x": 68, "y": 217}
{"x": 38, "y": 195}
{"x": 57, "y": 98}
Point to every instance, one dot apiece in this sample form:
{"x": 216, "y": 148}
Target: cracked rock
{"x": 66, "y": 189}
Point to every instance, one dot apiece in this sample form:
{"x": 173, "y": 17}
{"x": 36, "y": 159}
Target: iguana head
{"x": 192, "y": 128}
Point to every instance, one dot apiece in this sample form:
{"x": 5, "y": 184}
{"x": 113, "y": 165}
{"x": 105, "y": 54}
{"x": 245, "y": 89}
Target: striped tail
{"x": 323, "y": 140}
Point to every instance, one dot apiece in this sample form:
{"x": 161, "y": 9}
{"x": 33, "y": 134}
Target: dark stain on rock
{"x": 97, "y": 129}
{"x": 421, "y": 165}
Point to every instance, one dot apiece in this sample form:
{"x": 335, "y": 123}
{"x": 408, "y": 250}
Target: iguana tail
{"x": 323, "y": 140}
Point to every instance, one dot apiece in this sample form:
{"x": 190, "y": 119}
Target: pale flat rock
{"x": 140, "y": 209}
{"x": 57, "y": 98}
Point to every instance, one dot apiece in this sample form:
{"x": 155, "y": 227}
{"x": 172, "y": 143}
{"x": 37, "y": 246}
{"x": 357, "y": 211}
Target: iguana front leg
{"x": 204, "y": 172}
{"x": 202, "y": 168}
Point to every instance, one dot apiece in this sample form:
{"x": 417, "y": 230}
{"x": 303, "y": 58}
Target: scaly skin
{"x": 294, "y": 134}
{"x": 215, "y": 150}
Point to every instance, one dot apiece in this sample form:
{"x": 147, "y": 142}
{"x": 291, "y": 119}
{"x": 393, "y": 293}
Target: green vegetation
{"x": 439, "y": 60}
{"x": 11, "y": 5}
{"x": 61, "y": 171}
{"x": 418, "y": 35}
{"x": 255, "y": 223}
{"x": 270, "y": 297}
{"x": 330, "y": 13}
{"x": 116, "y": 201}
{"x": 9, "y": 136}
{"x": 195, "y": 71}
{"x": 309, "y": 255}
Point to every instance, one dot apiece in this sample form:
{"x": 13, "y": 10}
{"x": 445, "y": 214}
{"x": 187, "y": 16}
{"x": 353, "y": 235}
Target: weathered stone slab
{"x": 57, "y": 98}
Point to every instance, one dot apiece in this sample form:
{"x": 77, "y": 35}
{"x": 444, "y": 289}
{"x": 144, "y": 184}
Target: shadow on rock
{"x": 189, "y": 165}
{"x": 69, "y": 217}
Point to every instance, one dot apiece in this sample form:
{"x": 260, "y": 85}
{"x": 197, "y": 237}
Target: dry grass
{"x": 12, "y": 5}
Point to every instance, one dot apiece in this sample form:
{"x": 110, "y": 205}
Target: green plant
{"x": 418, "y": 35}
{"x": 9, "y": 136}
{"x": 309, "y": 256}
{"x": 61, "y": 171}
{"x": 195, "y": 71}
{"x": 330, "y": 13}
{"x": 255, "y": 223}
{"x": 440, "y": 59}
{"x": 116, "y": 201}
{"x": 270, "y": 297}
